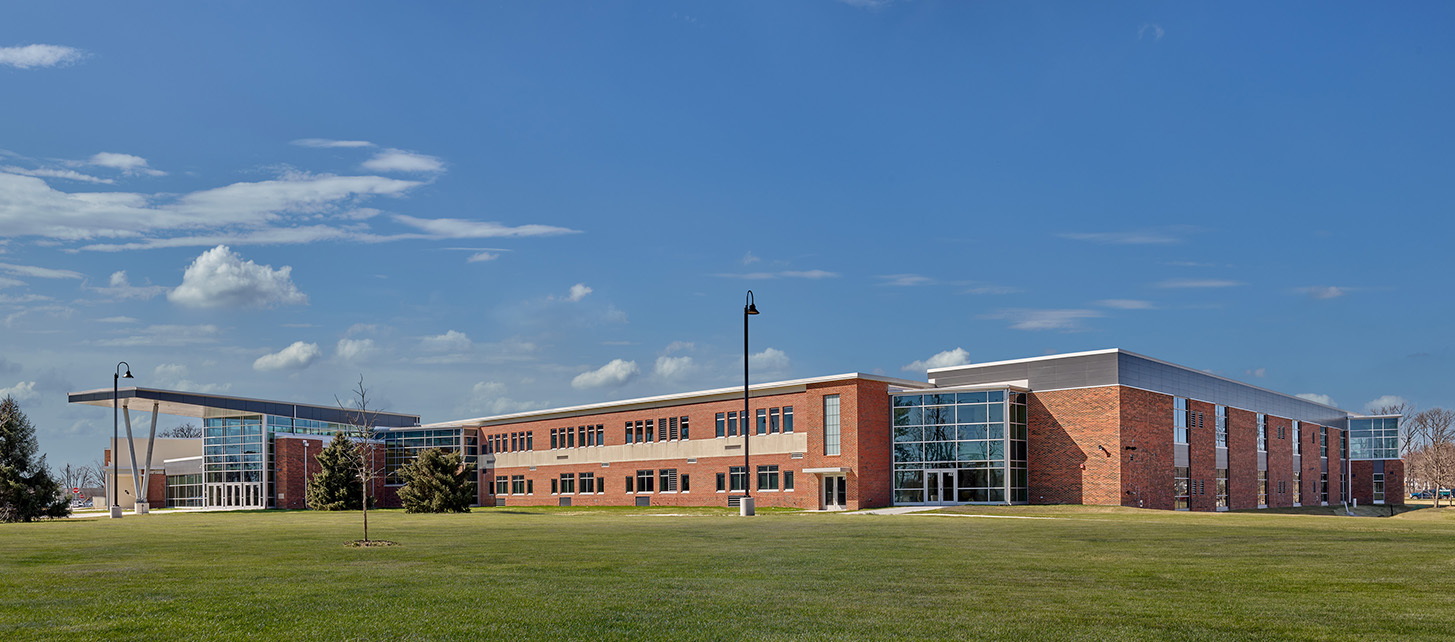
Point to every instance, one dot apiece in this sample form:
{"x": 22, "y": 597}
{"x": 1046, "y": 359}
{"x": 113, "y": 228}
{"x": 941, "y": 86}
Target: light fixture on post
{"x": 745, "y": 505}
{"x": 116, "y": 437}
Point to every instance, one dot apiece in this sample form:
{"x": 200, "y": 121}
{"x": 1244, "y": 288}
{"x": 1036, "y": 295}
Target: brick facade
{"x": 291, "y": 470}
{"x": 1147, "y": 427}
{"x": 1074, "y": 446}
{"x": 1242, "y": 459}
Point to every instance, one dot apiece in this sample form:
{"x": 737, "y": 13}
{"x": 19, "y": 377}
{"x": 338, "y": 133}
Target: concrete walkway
{"x": 896, "y": 510}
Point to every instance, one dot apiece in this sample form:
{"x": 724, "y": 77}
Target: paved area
{"x": 895, "y": 510}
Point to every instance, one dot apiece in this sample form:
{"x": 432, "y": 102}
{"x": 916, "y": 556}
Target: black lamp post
{"x": 748, "y": 309}
{"x": 116, "y": 436}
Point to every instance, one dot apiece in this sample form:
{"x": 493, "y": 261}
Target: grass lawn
{"x": 1076, "y": 573}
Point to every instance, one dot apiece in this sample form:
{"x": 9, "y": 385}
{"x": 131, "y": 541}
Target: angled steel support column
{"x": 147, "y": 471}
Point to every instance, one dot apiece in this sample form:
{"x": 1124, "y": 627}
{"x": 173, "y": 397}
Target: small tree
{"x": 336, "y": 484}
{"x": 27, "y": 489}
{"x": 1432, "y": 454}
{"x": 436, "y": 482}
{"x": 185, "y": 431}
{"x": 362, "y": 419}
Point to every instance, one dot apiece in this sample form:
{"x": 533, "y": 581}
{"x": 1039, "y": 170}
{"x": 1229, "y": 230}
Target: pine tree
{"x": 27, "y": 489}
{"x": 336, "y": 485}
{"x": 436, "y": 482}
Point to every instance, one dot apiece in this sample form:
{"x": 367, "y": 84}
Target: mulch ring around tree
{"x": 370, "y": 543}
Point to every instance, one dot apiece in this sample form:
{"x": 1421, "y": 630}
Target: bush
{"x": 437, "y": 482}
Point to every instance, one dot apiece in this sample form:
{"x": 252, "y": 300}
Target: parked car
{"x": 1424, "y": 494}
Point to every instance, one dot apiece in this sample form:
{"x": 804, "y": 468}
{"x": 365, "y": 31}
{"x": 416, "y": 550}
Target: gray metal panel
{"x": 1140, "y": 372}
{"x": 1180, "y": 455}
{"x": 1222, "y": 458}
{"x": 1263, "y": 461}
{"x": 1080, "y": 371}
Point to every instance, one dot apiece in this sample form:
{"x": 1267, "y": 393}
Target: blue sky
{"x": 493, "y": 207}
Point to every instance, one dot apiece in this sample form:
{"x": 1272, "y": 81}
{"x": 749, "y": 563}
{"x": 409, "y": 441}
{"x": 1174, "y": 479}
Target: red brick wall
{"x": 1394, "y": 492}
{"x": 1310, "y": 457}
{"x": 1336, "y": 461}
{"x": 1280, "y": 462}
{"x": 1202, "y": 455}
{"x": 1146, "y": 419}
{"x": 1074, "y": 446}
{"x": 1243, "y": 458}
{"x": 1363, "y": 481}
{"x": 156, "y": 489}
{"x": 289, "y": 472}
{"x": 873, "y": 454}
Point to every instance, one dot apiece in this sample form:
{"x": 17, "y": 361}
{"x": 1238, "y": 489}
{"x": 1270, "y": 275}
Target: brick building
{"x": 1108, "y": 427}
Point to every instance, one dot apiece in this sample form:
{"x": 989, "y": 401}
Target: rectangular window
{"x": 517, "y": 484}
{"x": 767, "y": 478}
{"x": 1262, "y": 436}
{"x": 1323, "y": 442}
{"x": 650, "y": 431}
{"x": 662, "y": 429}
{"x": 721, "y": 482}
{"x": 1378, "y": 487}
{"x": 588, "y": 482}
{"x": 514, "y": 441}
{"x": 568, "y": 483}
{"x": 773, "y": 417}
{"x": 1280, "y": 432}
{"x": 684, "y": 427}
{"x": 590, "y": 437}
{"x": 1181, "y": 488}
{"x": 530, "y": 440}
{"x": 1222, "y": 488}
{"x": 672, "y": 429}
{"x": 601, "y": 434}
{"x": 630, "y": 438}
{"x": 788, "y": 419}
{"x": 721, "y": 421}
{"x": 787, "y": 480}
{"x": 581, "y": 435}
{"x": 502, "y": 485}
{"x": 644, "y": 481}
{"x": 1179, "y": 420}
{"x": 683, "y": 481}
{"x": 737, "y": 478}
{"x": 1324, "y": 488}
{"x": 555, "y": 488}
{"x": 1297, "y": 438}
{"x": 732, "y": 424}
{"x": 530, "y": 486}
{"x": 629, "y": 486}
{"x": 762, "y": 423}
{"x": 570, "y": 438}
{"x": 1263, "y": 488}
{"x": 1297, "y": 488}
{"x": 831, "y": 425}
{"x": 1222, "y": 426}
{"x": 668, "y": 480}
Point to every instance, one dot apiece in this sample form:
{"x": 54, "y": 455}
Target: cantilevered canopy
{"x": 191, "y": 404}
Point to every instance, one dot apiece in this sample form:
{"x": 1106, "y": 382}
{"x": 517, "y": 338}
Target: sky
{"x": 484, "y": 208}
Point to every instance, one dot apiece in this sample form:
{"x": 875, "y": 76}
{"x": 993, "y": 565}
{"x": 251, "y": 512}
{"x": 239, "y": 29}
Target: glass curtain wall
{"x": 403, "y": 446}
{"x": 960, "y": 447}
{"x": 1374, "y": 438}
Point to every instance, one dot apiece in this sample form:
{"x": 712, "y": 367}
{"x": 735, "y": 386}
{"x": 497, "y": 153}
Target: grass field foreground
{"x": 1009, "y": 573}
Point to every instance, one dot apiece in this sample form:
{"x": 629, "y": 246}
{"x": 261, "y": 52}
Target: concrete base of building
{"x": 115, "y": 512}
{"x": 143, "y": 508}
{"x": 745, "y": 507}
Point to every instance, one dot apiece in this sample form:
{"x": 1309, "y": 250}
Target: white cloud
{"x": 455, "y": 228}
{"x": 126, "y": 163}
{"x": 40, "y": 272}
{"x": 769, "y": 360}
{"x": 117, "y": 320}
{"x": 1152, "y": 30}
{"x": 1145, "y": 237}
{"x": 450, "y": 341}
{"x": 175, "y": 376}
{"x": 38, "y": 56}
{"x": 671, "y": 368}
{"x": 1256, "y": 372}
{"x": 482, "y": 256}
{"x": 166, "y": 335}
{"x": 785, "y": 274}
{"x": 1125, "y": 304}
{"x": 121, "y": 288}
{"x": 1028, "y": 319}
{"x": 352, "y": 349}
{"x": 1317, "y": 398}
{"x": 68, "y": 174}
{"x": 330, "y": 143}
{"x": 956, "y": 357}
{"x": 489, "y": 397}
{"x": 1324, "y": 291}
{"x": 21, "y": 391}
{"x": 749, "y": 259}
{"x": 398, "y": 160}
{"x": 294, "y": 357}
{"x": 611, "y": 375}
{"x": 1385, "y": 401}
{"x": 906, "y": 280}
{"x": 1197, "y": 283}
{"x": 221, "y": 278}
{"x": 7, "y": 282}
{"x": 680, "y": 346}
{"x": 578, "y": 292}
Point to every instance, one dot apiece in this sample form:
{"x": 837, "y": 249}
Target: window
{"x": 1297, "y": 485}
{"x": 644, "y": 481}
{"x": 1179, "y": 420}
{"x": 1280, "y": 431}
{"x": 684, "y": 483}
{"x": 767, "y": 478}
{"x": 568, "y": 483}
{"x": 1378, "y": 487}
{"x": 517, "y": 484}
{"x": 588, "y": 482}
{"x": 590, "y": 438}
{"x": 668, "y": 479}
{"x": 732, "y": 424}
{"x": 530, "y": 440}
{"x": 1262, "y": 434}
{"x": 684, "y": 427}
{"x": 629, "y": 480}
{"x": 831, "y": 425}
{"x": 1323, "y": 443}
{"x": 530, "y": 486}
{"x": 601, "y": 434}
{"x": 672, "y": 429}
{"x": 1324, "y": 488}
{"x": 650, "y": 432}
{"x": 1222, "y": 488}
{"x": 721, "y": 482}
{"x": 1263, "y": 488}
{"x": 738, "y": 478}
{"x": 570, "y": 438}
{"x": 721, "y": 421}
{"x": 1297, "y": 438}
{"x": 662, "y": 429}
{"x": 1222, "y": 426}
{"x": 773, "y": 416}
{"x": 630, "y": 438}
{"x": 555, "y": 488}
{"x": 787, "y": 480}
{"x": 1181, "y": 488}
{"x": 762, "y": 424}
{"x": 788, "y": 419}
{"x": 502, "y": 485}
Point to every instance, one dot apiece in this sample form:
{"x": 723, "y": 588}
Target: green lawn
{"x": 705, "y": 574}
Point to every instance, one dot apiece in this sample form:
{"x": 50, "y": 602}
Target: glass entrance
{"x": 235, "y": 495}
{"x": 835, "y": 491}
{"x": 939, "y": 487}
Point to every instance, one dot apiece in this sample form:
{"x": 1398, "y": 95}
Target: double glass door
{"x": 835, "y": 491}
{"x": 235, "y": 495}
{"x": 939, "y": 487}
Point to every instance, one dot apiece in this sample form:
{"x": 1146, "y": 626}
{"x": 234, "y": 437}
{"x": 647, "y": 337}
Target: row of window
{"x": 664, "y": 429}
{"x": 512, "y": 442}
{"x": 666, "y": 480}
{"x": 769, "y": 421}
{"x": 1183, "y": 487}
{"x": 578, "y": 436}
{"x": 1185, "y": 420}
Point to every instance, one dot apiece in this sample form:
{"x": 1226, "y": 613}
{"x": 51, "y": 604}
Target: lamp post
{"x": 116, "y": 436}
{"x": 745, "y": 507}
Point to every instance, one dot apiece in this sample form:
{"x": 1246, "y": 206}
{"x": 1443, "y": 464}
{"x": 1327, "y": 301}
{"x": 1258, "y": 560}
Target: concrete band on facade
{"x": 1108, "y": 427}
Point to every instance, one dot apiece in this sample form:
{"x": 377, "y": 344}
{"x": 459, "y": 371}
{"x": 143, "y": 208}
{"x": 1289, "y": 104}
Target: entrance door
{"x": 835, "y": 491}
{"x": 939, "y": 487}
